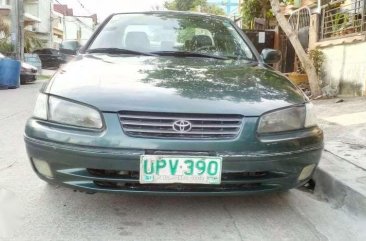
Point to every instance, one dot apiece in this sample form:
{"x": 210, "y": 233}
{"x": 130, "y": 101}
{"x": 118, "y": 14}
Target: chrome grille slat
{"x": 173, "y": 132}
{"x": 169, "y": 124}
{"x": 175, "y": 118}
{"x": 160, "y": 125}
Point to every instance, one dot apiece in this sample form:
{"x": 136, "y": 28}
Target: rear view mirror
{"x": 271, "y": 56}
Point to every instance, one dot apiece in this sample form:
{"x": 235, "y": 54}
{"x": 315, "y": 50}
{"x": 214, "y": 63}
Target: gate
{"x": 287, "y": 64}
{"x": 261, "y": 39}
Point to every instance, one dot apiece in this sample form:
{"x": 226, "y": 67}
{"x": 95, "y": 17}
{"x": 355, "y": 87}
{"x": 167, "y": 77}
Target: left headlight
{"x": 66, "y": 112}
{"x": 288, "y": 119}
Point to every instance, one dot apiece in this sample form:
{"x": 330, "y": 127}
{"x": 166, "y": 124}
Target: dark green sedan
{"x": 173, "y": 103}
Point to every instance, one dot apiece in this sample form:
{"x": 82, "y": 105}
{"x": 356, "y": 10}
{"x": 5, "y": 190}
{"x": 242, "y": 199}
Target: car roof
{"x": 181, "y": 13}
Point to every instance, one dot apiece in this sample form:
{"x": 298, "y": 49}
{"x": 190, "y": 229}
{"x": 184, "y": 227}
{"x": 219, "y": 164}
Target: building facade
{"x": 75, "y": 27}
{"x": 79, "y": 28}
{"x": 338, "y": 30}
{"x": 5, "y": 8}
{"x": 37, "y": 19}
{"x": 58, "y": 29}
{"x": 50, "y": 23}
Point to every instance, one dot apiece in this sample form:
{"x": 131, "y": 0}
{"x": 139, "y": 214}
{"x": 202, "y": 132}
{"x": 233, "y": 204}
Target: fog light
{"x": 43, "y": 168}
{"x": 306, "y": 172}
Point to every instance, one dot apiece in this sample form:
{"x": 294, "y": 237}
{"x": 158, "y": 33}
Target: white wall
{"x": 75, "y": 24}
{"x": 44, "y": 13}
{"x": 345, "y": 67}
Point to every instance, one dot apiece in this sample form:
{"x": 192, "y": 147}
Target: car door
{"x": 44, "y": 55}
{"x": 53, "y": 57}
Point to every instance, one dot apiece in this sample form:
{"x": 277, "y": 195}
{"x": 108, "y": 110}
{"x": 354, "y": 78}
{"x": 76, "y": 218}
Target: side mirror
{"x": 271, "y": 56}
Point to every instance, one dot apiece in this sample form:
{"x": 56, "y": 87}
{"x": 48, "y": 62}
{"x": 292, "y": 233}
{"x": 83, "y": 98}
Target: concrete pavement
{"x": 341, "y": 176}
{"x": 43, "y": 212}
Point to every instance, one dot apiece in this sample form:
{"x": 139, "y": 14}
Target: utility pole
{"x": 17, "y": 32}
{"x": 51, "y": 24}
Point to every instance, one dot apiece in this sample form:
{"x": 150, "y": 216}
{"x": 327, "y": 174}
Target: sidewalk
{"x": 48, "y": 72}
{"x": 341, "y": 176}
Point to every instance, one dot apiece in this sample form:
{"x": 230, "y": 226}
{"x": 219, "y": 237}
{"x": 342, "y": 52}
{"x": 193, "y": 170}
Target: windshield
{"x": 72, "y": 45}
{"x": 171, "y": 32}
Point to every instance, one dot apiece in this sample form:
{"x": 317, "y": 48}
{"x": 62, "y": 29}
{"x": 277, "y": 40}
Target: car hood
{"x": 28, "y": 66}
{"x": 172, "y": 84}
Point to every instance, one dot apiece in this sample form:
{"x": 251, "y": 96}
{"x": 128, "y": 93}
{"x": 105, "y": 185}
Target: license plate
{"x": 156, "y": 169}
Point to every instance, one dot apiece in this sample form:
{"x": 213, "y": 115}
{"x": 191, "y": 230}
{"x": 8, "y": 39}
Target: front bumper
{"x": 95, "y": 170}
{"x": 28, "y": 77}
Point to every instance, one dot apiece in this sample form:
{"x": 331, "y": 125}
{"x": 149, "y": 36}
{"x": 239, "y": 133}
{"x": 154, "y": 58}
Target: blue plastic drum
{"x": 3, "y": 82}
{"x": 10, "y": 73}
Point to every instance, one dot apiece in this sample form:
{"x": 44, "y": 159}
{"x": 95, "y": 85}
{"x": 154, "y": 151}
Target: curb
{"x": 341, "y": 184}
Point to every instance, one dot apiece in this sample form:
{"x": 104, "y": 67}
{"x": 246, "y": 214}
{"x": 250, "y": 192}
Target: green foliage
{"x": 252, "y": 9}
{"x": 31, "y": 42}
{"x": 4, "y": 28}
{"x": 193, "y": 5}
{"x": 183, "y": 5}
{"x": 318, "y": 59}
{"x": 5, "y": 46}
{"x": 212, "y": 9}
{"x": 340, "y": 21}
{"x": 288, "y": 2}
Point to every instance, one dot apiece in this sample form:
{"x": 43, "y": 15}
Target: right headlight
{"x": 288, "y": 119}
{"x": 67, "y": 112}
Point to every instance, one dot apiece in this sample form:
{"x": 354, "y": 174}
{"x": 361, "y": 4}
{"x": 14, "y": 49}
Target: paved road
{"x": 34, "y": 210}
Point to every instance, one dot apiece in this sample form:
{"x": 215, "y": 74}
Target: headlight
{"x": 289, "y": 119}
{"x": 67, "y": 112}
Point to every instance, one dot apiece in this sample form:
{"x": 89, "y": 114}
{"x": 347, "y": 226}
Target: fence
{"x": 343, "y": 17}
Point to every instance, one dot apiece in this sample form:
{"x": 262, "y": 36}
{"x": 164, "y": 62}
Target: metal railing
{"x": 300, "y": 18}
{"x": 343, "y": 17}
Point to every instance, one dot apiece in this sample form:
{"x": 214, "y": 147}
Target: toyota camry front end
{"x": 172, "y": 103}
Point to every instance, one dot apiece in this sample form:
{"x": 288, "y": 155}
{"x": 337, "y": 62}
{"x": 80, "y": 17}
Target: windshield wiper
{"x": 239, "y": 57}
{"x": 188, "y": 54}
{"x": 118, "y": 51}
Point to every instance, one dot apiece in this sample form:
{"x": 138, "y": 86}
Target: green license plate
{"x": 156, "y": 169}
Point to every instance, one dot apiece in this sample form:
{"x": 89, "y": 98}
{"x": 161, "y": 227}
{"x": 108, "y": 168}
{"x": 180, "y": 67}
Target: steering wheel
{"x": 206, "y": 48}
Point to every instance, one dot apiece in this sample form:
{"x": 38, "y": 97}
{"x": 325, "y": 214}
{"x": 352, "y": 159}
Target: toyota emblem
{"x": 182, "y": 126}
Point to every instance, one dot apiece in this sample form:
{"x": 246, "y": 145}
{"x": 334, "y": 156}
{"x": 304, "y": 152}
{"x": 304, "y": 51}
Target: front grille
{"x": 160, "y": 125}
{"x": 188, "y": 188}
{"x": 225, "y": 176}
{"x": 232, "y": 181}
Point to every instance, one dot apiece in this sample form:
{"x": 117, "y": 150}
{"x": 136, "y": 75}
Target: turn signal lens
{"x": 40, "y": 110}
{"x": 311, "y": 119}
